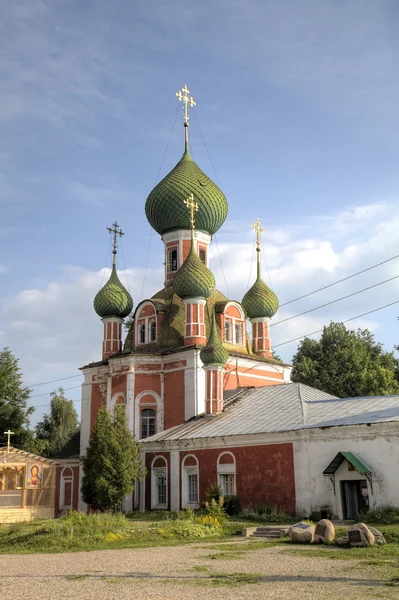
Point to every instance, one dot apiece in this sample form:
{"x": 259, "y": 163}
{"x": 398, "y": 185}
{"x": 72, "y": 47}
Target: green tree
{"x": 14, "y": 409}
{"x": 111, "y": 465}
{"x": 346, "y": 363}
{"x": 56, "y": 428}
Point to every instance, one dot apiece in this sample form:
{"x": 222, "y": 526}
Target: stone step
{"x": 267, "y": 536}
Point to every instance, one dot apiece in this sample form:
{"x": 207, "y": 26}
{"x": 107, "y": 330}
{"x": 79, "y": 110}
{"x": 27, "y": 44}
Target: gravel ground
{"x": 170, "y": 573}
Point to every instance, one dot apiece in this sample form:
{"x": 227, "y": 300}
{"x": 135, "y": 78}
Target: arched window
{"x": 227, "y": 473}
{"x": 227, "y": 331}
{"x": 119, "y": 403}
{"x": 159, "y": 483}
{"x": 66, "y": 491}
{"x": 153, "y": 331}
{"x": 190, "y": 477}
{"x": 142, "y": 333}
{"x": 147, "y": 422}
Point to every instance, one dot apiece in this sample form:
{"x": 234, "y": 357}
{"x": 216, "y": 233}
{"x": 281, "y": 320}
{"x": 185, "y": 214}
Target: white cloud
{"x": 54, "y": 330}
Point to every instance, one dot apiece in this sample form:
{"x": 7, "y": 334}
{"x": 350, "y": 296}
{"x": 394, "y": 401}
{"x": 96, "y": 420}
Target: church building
{"x": 202, "y": 391}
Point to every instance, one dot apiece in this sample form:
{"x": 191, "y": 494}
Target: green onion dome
{"x": 260, "y": 300}
{"x": 165, "y": 209}
{"x": 113, "y": 300}
{"x": 193, "y": 279}
{"x": 214, "y": 352}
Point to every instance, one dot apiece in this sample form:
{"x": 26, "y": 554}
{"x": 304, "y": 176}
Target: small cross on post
{"x": 192, "y": 207}
{"x": 115, "y": 230}
{"x": 8, "y": 434}
{"x": 188, "y": 101}
{"x": 258, "y": 231}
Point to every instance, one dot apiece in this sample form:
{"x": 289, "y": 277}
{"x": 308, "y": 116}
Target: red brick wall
{"x": 173, "y": 399}
{"x": 75, "y": 491}
{"x": 264, "y": 474}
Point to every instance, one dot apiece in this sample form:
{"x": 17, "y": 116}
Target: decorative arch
{"x": 159, "y": 482}
{"x": 148, "y": 400}
{"x": 66, "y": 488}
{"x": 145, "y": 319}
{"x": 226, "y": 469}
{"x": 118, "y": 399}
{"x": 190, "y": 481}
{"x": 234, "y": 330}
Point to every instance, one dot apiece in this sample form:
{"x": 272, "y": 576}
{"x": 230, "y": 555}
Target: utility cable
{"x": 106, "y": 263}
{"x": 346, "y": 321}
{"x": 340, "y": 281}
{"x": 334, "y": 301}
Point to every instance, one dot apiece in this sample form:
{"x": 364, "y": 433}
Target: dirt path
{"x": 187, "y": 572}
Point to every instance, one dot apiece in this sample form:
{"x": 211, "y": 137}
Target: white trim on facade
{"x": 63, "y": 480}
{"x": 155, "y": 405}
{"x": 155, "y": 473}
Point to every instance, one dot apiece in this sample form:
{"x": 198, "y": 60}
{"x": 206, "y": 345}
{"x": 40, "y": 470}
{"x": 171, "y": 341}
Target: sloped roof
{"x": 284, "y": 407}
{"x": 71, "y": 448}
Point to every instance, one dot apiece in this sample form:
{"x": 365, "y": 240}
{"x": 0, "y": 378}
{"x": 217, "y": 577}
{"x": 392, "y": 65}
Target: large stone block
{"x": 301, "y": 533}
{"x": 324, "y": 532}
{"x": 378, "y": 536}
{"x": 359, "y": 535}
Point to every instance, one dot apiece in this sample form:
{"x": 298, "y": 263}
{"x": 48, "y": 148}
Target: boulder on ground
{"x": 301, "y": 533}
{"x": 360, "y": 535}
{"x": 343, "y": 541}
{"x": 378, "y": 536}
{"x": 324, "y": 532}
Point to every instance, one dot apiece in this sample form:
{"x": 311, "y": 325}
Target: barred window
{"x": 142, "y": 333}
{"x": 227, "y": 482}
{"x": 192, "y": 488}
{"x": 161, "y": 488}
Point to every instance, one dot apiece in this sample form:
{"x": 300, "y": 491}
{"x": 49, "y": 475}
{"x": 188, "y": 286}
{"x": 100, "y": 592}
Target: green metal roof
{"x": 193, "y": 279}
{"x": 113, "y": 300}
{"x": 165, "y": 209}
{"x": 214, "y": 353}
{"x": 351, "y": 458}
{"x": 260, "y": 300}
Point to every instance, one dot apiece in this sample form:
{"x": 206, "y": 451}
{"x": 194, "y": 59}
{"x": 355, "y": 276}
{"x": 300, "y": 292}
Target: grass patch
{"x": 200, "y": 569}
{"x": 226, "y": 555}
{"x": 233, "y": 579}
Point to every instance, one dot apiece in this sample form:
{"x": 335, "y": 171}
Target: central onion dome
{"x": 113, "y": 300}
{"x": 165, "y": 209}
{"x": 193, "y": 279}
{"x": 214, "y": 352}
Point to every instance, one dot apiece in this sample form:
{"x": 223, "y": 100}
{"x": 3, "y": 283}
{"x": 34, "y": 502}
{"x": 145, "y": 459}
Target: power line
{"x": 346, "y": 321}
{"x": 48, "y": 393}
{"x": 340, "y": 280}
{"x": 54, "y": 380}
{"x": 334, "y": 301}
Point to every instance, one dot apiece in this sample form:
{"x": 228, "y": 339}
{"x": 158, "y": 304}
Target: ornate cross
{"x": 115, "y": 230}
{"x": 8, "y": 434}
{"x": 192, "y": 207}
{"x": 187, "y": 100}
{"x": 258, "y": 231}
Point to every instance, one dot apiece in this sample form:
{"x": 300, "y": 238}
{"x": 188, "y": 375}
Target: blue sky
{"x": 297, "y": 104}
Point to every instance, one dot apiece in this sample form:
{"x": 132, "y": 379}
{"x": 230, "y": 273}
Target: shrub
{"x": 232, "y": 505}
{"x": 385, "y": 514}
{"x": 266, "y": 513}
{"x": 214, "y": 492}
{"x": 215, "y": 509}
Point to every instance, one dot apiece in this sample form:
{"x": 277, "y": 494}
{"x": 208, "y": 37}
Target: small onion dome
{"x": 165, "y": 208}
{"x": 214, "y": 352}
{"x": 193, "y": 279}
{"x": 260, "y": 300}
{"x": 113, "y": 300}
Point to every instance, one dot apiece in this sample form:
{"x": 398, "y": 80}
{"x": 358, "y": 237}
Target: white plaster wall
{"x": 377, "y": 446}
{"x": 194, "y": 386}
{"x": 85, "y": 413}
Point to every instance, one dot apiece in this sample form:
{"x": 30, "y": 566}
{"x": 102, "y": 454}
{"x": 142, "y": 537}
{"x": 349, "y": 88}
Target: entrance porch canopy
{"x": 354, "y": 461}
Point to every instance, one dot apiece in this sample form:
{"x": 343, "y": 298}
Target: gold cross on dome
{"x": 258, "y": 231}
{"x": 8, "y": 434}
{"x": 192, "y": 207}
{"x": 115, "y": 230}
{"x": 188, "y": 101}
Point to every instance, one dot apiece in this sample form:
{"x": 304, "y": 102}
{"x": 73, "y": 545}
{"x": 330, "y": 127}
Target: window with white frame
{"x": 190, "y": 479}
{"x": 159, "y": 483}
{"x": 234, "y": 330}
{"x": 66, "y": 488}
{"x": 153, "y": 331}
{"x": 148, "y": 416}
{"x": 172, "y": 260}
{"x": 226, "y": 468}
{"x": 161, "y": 488}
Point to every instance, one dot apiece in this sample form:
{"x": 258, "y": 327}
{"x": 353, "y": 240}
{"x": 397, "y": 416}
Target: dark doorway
{"x": 355, "y": 498}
